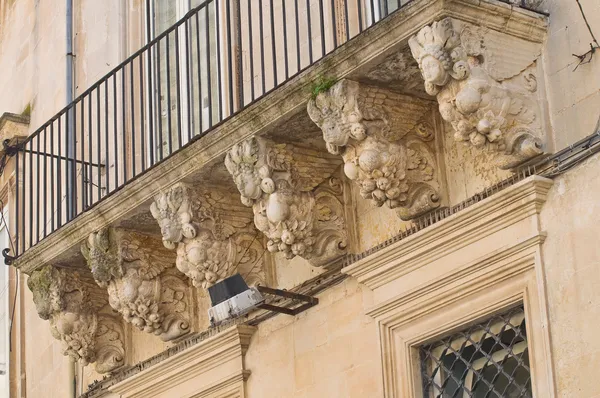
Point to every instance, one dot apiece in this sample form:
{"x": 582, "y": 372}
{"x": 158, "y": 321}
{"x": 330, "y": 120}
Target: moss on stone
{"x": 321, "y": 85}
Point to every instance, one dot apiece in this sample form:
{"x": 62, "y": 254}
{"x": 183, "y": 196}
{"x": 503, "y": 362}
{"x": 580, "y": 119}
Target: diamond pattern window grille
{"x": 487, "y": 360}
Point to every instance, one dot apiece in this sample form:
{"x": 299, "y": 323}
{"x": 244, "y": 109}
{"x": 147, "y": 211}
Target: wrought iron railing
{"x": 221, "y": 57}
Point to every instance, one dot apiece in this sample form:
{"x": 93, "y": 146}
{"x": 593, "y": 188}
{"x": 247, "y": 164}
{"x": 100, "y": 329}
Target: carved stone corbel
{"x": 385, "y": 142}
{"x": 485, "y": 86}
{"x": 296, "y": 202}
{"x": 212, "y": 232}
{"x": 79, "y": 317}
{"x": 142, "y": 283}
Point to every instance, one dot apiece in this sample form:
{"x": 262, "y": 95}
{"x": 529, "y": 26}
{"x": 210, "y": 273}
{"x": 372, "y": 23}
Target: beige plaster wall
{"x": 573, "y": 95}
{"x": 32, "y": 48}
{"x": 330, "y": 350}
{"x": 47, "y": 370}
{"x": 572, "y": 264}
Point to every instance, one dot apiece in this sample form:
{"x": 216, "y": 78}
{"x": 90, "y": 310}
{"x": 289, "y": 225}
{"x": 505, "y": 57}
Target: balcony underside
{"x": 280, "y": 115}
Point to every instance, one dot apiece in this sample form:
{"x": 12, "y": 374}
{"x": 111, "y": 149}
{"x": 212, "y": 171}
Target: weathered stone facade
{"x": 403, "y": 195}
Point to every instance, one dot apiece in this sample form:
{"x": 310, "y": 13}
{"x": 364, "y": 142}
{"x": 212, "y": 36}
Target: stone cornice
{"x": 212, "y": 353}
{"x": 504, "y": 263}
{"x": 497, "y": 15}
{"x": 474, "y": 223}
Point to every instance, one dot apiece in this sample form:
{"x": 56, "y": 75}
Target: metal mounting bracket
{"x": 307, "y": 301}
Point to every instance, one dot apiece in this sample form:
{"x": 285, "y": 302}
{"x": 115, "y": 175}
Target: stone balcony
{"x": 423, "y": 109}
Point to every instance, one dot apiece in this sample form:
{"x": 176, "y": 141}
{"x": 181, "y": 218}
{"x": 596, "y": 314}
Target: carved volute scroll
{"x": 79, "y": 317}
{"x": 296, "y": 202}
{"x": 212, "y": 232}
{"x": 485, "y": 86}
{"x": 384, "y": 139}
{"x": 142, "y": 282}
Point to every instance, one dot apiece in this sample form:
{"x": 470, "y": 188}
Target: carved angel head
{"x": 250, "y": 177}
{"x": 336, "y": 113}
{"x": 103, "y": 257}
{"x": 173, "y": 211}
{"x": 437, "y": 48}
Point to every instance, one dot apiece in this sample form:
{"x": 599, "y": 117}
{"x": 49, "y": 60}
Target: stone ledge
{"x": 215, "y": 364}
{"x": 459, "y": 230}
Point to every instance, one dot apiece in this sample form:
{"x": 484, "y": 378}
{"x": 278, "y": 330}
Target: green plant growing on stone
{"x": 27, "y": 111}
{"x": 321, "y": 85}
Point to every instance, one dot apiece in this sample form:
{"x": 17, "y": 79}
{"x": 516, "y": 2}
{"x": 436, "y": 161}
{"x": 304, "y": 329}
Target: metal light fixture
{"x": 232, "y": 298}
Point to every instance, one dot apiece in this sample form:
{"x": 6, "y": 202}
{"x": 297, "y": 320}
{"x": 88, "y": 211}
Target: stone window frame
{"x": 476, "y": 263}
{"x": 505, "y": 279}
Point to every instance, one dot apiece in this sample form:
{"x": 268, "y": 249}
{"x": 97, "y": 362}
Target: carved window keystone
{"x": 142, "y": 283}
{"x": 79, "y": 317}
{"x": 212, "y": 232}
{"x": 385, "y": 142}
{"x": 485, "y": 84}
{"x": 296, "y": 202}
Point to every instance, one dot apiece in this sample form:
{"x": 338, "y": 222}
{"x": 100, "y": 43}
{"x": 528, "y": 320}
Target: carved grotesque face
{"x": 42, "y": 305}
{"x": 433, "y": 71}
{"x": 333, "y": 134}
{"x": 174, "y": 219}
{"x": 248, "y": 183}
{"x": 337, "y": 132}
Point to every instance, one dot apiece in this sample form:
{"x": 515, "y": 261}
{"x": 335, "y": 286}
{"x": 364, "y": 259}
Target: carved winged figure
{"x": 131, "y": 266}
{"x": 277, "y": 181}
{"x": 484, "y": 91}
{"x": 203, "y": 224}
{"x": 370, "y": 128}
{"x": 64, "y": 299}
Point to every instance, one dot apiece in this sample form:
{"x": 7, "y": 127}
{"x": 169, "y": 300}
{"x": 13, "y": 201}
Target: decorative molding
{"x": 78, "y": 318}
{"x": 493, "y": 268}
{"x": 468, "y": 294}
{"x": 13, "y": 128}
{"x": 214, "y": 367}
{"x": 212, "y": 233}
{"x": 473, "y": 224}
{"x": 462, "y": 269}
{"x": 142, "y": 284}
{"x": 385, "y": 141}
{"x": 297, "y": 203}
{"x": 485, "y": 84}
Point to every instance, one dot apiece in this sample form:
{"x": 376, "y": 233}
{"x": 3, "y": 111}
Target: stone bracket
{"x": 385, "y": 140}
{"x": 485, "y": 83}
{"x": 142, "y": 282}
{"x": 296, "y": 202}
{"x": 76, "y": 309}
{"x": 212, "y": 233}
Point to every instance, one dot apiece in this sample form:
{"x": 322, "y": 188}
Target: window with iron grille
{"x": 487, "y": 360}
